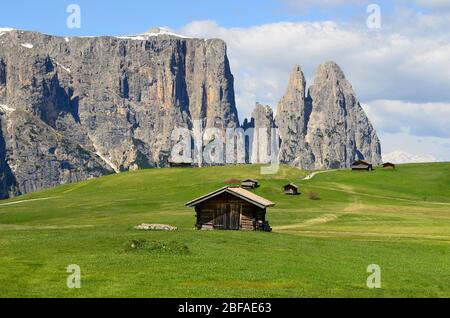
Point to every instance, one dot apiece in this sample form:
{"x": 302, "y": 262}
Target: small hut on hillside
{"x": 388, "y": 165}
{"x": 290, "y": 189}
{"x": 249, "y": 183}
{"x": 361, "y": 165}
{"x": 173, "y": 164}
{"x": 231, "y": 208}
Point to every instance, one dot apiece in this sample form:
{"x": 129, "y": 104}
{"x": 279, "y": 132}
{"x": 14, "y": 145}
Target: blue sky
{"x": 102, "y": 17}
{"x": 400, "y": 72}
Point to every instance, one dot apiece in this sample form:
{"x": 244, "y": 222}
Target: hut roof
{"x": 236, "y": 191}
{"x": 250, "y": 180}
{"x": 292, "y": 185}
{"x": 388, "y": 164}
{"x": 361, "y": 162}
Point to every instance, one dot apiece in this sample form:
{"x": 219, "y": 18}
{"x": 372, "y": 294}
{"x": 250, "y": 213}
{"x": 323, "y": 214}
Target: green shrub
{"x": 173, "y": 247}
{"x": 313, "y": 196}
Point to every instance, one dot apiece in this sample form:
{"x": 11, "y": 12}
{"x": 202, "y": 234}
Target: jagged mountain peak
{"x": 330, "y": 73}
{"x": 296, "y": 85}
{"x": 330, "y": 67}
{"x": 329, "y": 129}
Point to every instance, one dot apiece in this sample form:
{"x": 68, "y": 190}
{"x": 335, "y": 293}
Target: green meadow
{"x": 399, "y": 220}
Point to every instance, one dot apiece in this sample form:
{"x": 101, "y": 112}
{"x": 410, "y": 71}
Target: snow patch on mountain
{"x": 151, "y": 33}
{"x": 6, "y": 108}
{"x": 4, "y": 30}
{"x": 400, "y": 156}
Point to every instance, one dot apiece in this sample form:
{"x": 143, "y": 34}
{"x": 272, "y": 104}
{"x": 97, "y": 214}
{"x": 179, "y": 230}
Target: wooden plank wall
{"x": 215, "y": 213}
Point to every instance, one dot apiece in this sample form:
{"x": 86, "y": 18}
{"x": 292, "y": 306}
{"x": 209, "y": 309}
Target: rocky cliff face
{"x": 75, "y": 108}
{"x": 328, "y": 129}
{"x": 292, "y": 118}
{"x": 262, "y": 122}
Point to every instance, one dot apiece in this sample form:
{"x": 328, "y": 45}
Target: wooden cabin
{"x": 388, "y": 165}
{"x": 290, "y": 189}
{"x": 249, "y": 184}
{"x": 361, "y": 165}
{"x": 231, "y": 208}
{"x": 173, "y": 164}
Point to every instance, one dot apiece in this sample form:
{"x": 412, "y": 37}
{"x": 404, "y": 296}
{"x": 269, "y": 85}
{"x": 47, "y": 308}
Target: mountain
{"x": 292, "y": 119}
{"x": 263, "y": 124}
{"x": 400, "y": 156}
{"x": 81, "y": 107}
{"x": 327, "y": 128}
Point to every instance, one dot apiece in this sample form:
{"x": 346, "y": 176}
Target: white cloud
{"x": 419, "y": 129}
{"x": 437, "y": 147}
{"x": 416, "y": 119}
{"x": 380, "y": 65}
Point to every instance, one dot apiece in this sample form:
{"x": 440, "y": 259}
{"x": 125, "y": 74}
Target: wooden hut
{"x": 231, "y": 208}
{"x": 290, "y": 189}
{"x": 388, "y": 165}
{"x": 361, "y": 165}
{"x": 173, "y": 164}
{"x": 249, "y": 184}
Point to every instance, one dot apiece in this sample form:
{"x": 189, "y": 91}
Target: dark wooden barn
{"x": 249, "y": 184}
{"x": 173, "y": 164}
{"x": 231, "y": 208}
{"x": 388, "y": 165}
{"x": 362, "y": 165}
{"x": 290, "y": 189}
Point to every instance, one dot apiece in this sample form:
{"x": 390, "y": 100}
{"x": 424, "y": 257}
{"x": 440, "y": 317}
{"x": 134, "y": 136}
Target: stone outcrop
{"x": 292, "y": 118}
{"x": 75, "y": 108}
{"x": 328, "y": 128}
{"x": 155, "y": 227}
{"x": 263, "y": 125}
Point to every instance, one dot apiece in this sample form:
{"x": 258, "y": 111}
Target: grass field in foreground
{"x": 398, "y": 219}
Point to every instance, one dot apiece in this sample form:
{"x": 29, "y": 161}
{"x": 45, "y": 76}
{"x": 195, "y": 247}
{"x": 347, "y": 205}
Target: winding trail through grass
{"x": 380, "y": 196}
{"x": 312, "y": 175}
{"x": 23, "y": 201}
{"x": 310, "y": 222}
{"x": 379, "y": 235}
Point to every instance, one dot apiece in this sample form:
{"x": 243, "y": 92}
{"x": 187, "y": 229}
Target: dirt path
{"x": 23, "y": 201}
{"x": 380, "y": 196}
{"x": 312, "y": 175}
{"x": 316, "y": 221}
{"x": 332, "y": 233}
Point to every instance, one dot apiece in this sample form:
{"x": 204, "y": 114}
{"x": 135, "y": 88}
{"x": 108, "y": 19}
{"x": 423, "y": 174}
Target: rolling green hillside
{"x": 398, "y": 219}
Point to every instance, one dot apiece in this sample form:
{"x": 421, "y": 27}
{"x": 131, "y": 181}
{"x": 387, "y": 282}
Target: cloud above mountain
{"x": 417, "y": 119}
{"x": 379, "y": 65}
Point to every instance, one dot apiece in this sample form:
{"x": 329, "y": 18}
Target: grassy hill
{"x": 398, "y": 219}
